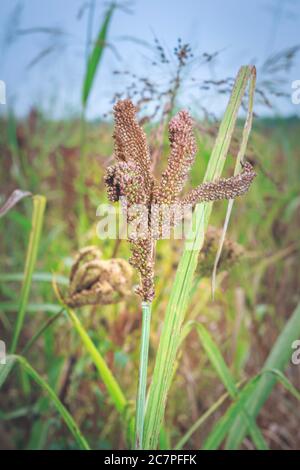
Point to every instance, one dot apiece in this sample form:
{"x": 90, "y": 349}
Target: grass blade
{"x": 96, "y": 54}
{"x": 222, "y": 370}
{"x": 170, "y": 336}
{"x": 37, "y": 277}
{"x": 30, "y": 308}
{"x": 66, "y": 416}
{"x": 201, "y": 420}
{"x": 224, "y": 424}
{"x": 40, "y": 331}
{"x": 112, "y": 386}
{"x": 6, "y": 368}
{"x": 93, "y": 62}
{"x": 285, "y": 382}
{"x": 110, "y": 382}
{"x": 141, "y": 395}
{"x": 277, "y": 359}
{"x": 16, "y": 196}
{"x": 240, "y": 157}
{"x": 39, "y": 203}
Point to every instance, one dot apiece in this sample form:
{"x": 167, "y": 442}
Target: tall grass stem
{"x": 62, "y": 410}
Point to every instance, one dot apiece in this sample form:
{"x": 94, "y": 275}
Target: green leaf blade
{"x": 277, "y": 359}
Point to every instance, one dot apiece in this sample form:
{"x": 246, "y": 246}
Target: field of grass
{"x": 253, "y": 302}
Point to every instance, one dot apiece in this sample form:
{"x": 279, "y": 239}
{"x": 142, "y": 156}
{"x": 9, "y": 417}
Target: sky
{"x": 240, "y": 31}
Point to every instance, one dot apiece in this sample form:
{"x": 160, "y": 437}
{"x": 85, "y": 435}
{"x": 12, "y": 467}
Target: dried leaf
{"x": 13, "y": 199}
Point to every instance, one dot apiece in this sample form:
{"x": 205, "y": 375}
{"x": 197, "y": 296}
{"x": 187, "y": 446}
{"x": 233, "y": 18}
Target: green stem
{"x": 141, "y": 394}
{"x": 39, "y": 203}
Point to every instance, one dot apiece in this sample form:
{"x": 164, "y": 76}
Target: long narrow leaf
{"x": 285, "y": 382}
{"x": 37, "y": 276}
{"x": 16, "y": 196}
{"x": 96, "y": 54}
{"x": 110, "y": 382}
{"x": 112, "y": 386}
{"x": 201, "y": 420}
{"x": 277, "y": 359}
{"x": 30, "y": 308}
{"x": 239, "y": 159}
{"x": 66, "y": 416}
{"x": 39, "y": 203}
{"x": 222, "y": 370}
{"x": 222, "y": 427}
{"x": 6, "y": 368}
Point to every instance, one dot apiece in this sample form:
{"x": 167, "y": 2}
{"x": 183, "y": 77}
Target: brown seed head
{"x": 95, "y": 281}
{"x": 131, "y": 178}
{"x": 130, "y": 141}
{"x": 183, "y": 149}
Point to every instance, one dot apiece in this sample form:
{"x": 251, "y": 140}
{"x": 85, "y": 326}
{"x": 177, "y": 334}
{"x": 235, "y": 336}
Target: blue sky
{"x": 244, "y": 31}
